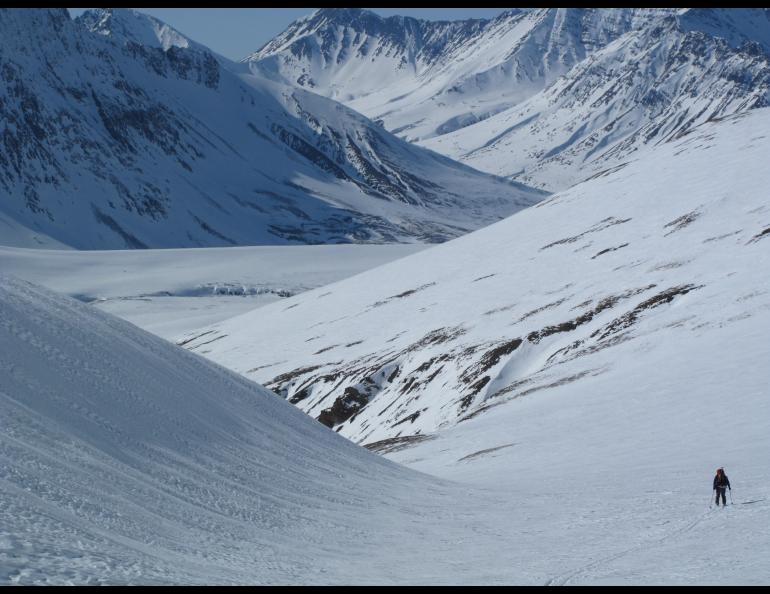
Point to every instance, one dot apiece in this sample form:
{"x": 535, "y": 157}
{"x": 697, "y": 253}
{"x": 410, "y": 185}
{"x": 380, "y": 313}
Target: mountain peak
{"x": 363, "y": 16}
{"x": 126, "y": 25}
{"x": 342, "y": 13}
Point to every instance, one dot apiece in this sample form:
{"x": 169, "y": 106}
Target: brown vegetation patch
{"x": 681, "y": 222}
{"x": 395, "y": 444}
{"x": 600, "y": 226}
{"x": 630, "y": 318}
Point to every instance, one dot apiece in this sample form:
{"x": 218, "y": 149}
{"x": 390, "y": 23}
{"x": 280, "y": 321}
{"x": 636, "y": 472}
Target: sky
{"x": 237, "y": 32}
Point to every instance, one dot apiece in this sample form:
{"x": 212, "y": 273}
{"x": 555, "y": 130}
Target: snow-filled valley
{"x": 111, "y": 143}
{"x": 172, "y": 292}
{"x": 539, "y": 400}
{"x": 605, "y": 348}
{"x": 128, "y": 460}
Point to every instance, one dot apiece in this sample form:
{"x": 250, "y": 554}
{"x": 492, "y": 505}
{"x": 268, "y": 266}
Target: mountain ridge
{"x": 111, "y": 143}
{"x": 490, "y": 99}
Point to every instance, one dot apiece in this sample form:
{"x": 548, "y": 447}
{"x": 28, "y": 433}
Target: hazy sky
{"x": 236, "y": 32}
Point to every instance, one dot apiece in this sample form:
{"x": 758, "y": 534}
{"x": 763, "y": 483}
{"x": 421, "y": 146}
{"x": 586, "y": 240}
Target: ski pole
{"x": 731, "y": 497}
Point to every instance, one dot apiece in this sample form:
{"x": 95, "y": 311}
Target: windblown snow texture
{"x": 125, "y": 459}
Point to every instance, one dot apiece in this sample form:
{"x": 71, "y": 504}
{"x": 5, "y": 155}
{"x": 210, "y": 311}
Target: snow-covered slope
{"x": 591, "y": 361}
{"x": 646, "y": 87}
{"x": 16, "y": 234}
{"x": 128, "y": 26}
{"x": 646, "y": 262}
{"x": 427, "y": 78}
{"x": 170, "y": 292}
{"x": 124, "y": 459}
{"x": 111, "y": 143}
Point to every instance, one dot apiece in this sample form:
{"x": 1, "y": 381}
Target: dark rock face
{"x": 395, "y": 444}
{"x": 200, "y": 68}
{"x": 760, "y": 235}
{"x": 343, "y": 408}
{"x": 69, "y": 109}
{"x": 630, "y": 318}
{"x": 379, "y": 392}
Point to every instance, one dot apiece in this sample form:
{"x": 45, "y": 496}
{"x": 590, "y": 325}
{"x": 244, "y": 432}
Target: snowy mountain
{"x": 579, "y": 370}
{"x": 588, "y": 361}
{"x": 653, "y": 260}
{"x": 119, "y": 132}
{"x": 548, "y": 97}
{"x": 646, "y": 87}
{"x": 133, "y": 27}
{"x": 556, "y": 388}
{"x": 427, "y": 78}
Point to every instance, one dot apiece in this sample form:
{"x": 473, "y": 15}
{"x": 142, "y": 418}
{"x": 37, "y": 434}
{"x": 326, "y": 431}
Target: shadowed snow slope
{"x": 136, "y": 138}
{"x": 124, "y": 459}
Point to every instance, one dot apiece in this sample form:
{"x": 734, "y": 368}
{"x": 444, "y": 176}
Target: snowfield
{"x": 126, "y": 460}
{"x": 662, "y": 251}
{"x": 172, "y": 292}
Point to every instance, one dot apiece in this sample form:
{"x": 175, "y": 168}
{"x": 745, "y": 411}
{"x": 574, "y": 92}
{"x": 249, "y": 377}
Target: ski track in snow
{"x": 586, "y": 570}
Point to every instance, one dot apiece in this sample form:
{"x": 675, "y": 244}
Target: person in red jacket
{"x": 721, "y": 483}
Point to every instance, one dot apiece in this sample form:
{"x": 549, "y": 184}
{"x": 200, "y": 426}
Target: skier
{"x": 721, "y": 482}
